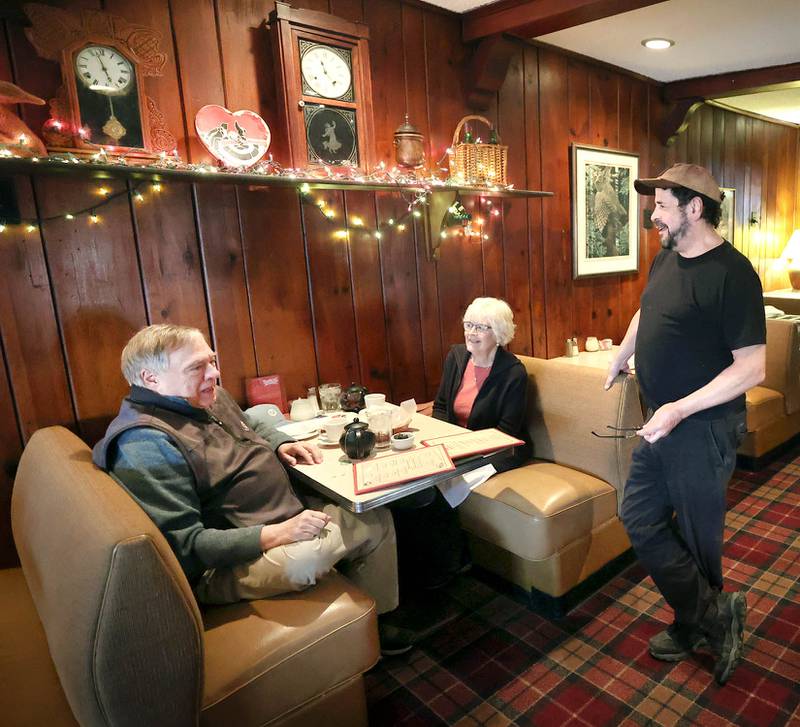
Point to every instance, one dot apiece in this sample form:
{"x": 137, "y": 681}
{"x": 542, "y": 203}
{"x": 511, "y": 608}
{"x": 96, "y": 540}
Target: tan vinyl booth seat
{"x": 100, "y": 626}
{"x": 773, "y": 407}
{"x": 550, "y": 524}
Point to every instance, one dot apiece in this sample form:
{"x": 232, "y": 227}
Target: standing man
{"x": 699, "y": 338}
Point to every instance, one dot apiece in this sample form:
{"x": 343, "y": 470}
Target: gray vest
{"x": 238, "y": 478}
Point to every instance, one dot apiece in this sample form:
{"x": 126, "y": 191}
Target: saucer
{"x": 325, "y": 442}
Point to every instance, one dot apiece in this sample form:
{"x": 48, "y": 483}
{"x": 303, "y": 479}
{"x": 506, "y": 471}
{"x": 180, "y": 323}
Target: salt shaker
{"x": 573, "y": 345}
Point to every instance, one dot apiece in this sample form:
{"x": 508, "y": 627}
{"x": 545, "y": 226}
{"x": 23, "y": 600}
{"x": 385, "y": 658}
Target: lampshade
{"x": 791, "y": 258}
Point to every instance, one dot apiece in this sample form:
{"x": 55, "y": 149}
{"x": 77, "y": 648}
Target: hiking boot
{"x": 726, "y": 633}
{"x": 668, "y": 646}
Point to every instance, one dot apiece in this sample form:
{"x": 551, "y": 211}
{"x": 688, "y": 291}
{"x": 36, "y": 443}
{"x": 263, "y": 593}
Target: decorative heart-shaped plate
{"x": 236, "y": 138}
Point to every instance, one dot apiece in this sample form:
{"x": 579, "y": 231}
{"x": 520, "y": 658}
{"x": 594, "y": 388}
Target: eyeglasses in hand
{"x": 477, "y": 327}
{"x": 621, "y": 432}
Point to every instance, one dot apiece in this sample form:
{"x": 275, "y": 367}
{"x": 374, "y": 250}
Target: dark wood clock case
{"x": 300, "y": 112}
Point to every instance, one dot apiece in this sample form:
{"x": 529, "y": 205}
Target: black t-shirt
{"x": 694, "y": 312}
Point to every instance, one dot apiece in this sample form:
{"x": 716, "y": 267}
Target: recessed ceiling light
{"x": 658, "y": 43}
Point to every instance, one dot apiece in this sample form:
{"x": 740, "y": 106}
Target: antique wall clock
{"x": 324, "y": 87}
{"x": 102, "y": 102}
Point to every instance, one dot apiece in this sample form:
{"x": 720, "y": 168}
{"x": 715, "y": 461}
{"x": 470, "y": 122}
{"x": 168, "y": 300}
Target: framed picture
{"x": 605, "y": 211}
{"x": 726, "y": 225}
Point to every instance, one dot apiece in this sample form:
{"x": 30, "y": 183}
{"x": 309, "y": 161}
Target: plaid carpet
{"x": 499, "y": 664}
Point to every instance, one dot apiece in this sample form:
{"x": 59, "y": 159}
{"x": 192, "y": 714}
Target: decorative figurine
{"x": 14, "y": 132}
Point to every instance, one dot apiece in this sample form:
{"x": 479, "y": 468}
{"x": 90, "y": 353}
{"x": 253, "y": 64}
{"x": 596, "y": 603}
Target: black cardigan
{"x": 500, "y": 403}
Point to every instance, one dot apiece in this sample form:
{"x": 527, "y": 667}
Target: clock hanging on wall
{"x": 324, "y": 87}
{"x": 102, "y": 102}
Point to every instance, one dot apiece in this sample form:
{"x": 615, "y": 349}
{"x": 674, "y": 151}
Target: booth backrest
{"x": 566, "y": 402}
{"x": 122, "y": 624}
{"x": 783, "y": 360}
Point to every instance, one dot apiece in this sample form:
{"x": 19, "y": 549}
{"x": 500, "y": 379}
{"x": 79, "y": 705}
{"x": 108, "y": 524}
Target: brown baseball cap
{"x": 691, "y": 176}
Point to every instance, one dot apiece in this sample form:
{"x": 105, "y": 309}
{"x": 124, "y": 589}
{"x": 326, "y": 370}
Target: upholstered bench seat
{"x": 537, "y": 510}
{"x": 763, "y": 406}
{"x": 292, "y": 649}
{"x": 31, "y": 693}
{"x": 773, "y": 408}
{"x": 549, "y": 525}
{"x": 101, "y": 627}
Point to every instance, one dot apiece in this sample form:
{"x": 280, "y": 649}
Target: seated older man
{"x": 217, "y": 489}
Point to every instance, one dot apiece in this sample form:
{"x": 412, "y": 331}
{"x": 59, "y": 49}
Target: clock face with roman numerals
{"x": 327, "y": 71}
{"x": 104, "y": 70}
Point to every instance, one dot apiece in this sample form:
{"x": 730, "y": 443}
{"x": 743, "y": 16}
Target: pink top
{"x": 474, "y": 376}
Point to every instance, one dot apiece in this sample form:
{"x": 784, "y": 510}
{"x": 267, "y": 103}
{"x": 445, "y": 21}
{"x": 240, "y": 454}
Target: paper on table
{"x": 299, "y": 430}
{"x": 381, "y": 472}
{"x": 477, "y": 442}
{"x": 456, "y": 490}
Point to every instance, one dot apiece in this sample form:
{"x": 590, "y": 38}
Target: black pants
{"x": 430, "y": 544}
{"x": 684, "y": 475}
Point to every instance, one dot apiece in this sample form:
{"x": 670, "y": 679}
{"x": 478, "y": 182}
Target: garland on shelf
{"x": 456, "y": 215}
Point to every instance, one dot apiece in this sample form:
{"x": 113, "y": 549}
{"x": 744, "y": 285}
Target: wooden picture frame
{"x": 605, "y": 211}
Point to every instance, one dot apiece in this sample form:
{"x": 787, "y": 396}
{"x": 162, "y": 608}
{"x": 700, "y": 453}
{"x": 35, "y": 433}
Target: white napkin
{"x": 457, "y": 489}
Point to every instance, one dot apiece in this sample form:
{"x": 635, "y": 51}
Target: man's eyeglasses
{"x": 621, "y": 433}
{"x": 477, "y": 327}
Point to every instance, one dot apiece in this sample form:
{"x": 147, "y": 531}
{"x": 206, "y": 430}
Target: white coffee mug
{"x": 592, "y": 344}
{"x": 332, "y": 428}
{"x": 371, "y": 400}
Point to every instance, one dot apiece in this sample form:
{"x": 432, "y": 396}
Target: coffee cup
{"x": 606, "y": 344}
{"x": 372, "y": 400}
{"x": 592, "y": 344}
{"x": 332, "y": 428}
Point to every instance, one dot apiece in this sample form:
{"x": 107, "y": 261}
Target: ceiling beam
{"x": 531, "y": 18}
{"x": 487, "y": 70}
{"x": 738, "y": 83}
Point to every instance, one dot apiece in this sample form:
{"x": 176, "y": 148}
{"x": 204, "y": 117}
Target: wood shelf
{"x": 58, "y": 166}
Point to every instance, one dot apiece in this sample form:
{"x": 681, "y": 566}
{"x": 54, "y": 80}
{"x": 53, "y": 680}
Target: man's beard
{"x": 673, "y": 238}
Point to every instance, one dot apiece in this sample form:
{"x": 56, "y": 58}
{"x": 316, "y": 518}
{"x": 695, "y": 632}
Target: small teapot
{"x": 357, "y": 440}
{"x": 352, "y": 398}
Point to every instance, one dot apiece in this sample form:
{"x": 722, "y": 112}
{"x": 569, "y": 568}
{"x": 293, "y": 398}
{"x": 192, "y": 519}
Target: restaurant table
{"x": 333, "y": 477}
{"x": 595, "y": 359}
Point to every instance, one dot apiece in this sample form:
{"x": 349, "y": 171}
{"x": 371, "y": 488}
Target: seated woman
{"x": 483, "y": 386}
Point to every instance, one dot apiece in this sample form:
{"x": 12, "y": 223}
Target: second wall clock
{"x": 324, "y": 87}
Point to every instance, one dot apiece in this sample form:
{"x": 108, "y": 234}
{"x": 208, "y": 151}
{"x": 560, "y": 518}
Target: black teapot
{"x": 357, "y": 440}
{"x": 352, "y": 398}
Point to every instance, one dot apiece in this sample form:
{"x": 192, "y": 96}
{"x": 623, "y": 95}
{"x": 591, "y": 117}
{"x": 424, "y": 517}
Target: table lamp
{"x": 791, "y": 258}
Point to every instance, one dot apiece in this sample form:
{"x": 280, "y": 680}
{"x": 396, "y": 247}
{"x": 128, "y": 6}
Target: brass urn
{"x": 409, "y": 150}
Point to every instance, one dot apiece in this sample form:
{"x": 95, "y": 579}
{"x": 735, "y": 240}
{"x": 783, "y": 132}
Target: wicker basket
{"x": 473, "y": 163}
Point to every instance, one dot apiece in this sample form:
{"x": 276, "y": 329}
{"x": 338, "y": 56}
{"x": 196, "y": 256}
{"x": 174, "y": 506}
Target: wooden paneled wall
{"x": 260, "y": 271}
{"x": 759, "y": 159}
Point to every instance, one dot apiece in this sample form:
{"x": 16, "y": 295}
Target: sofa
{"x": 100, "y": 626}
{"x": 773, "y": 407}
{"x": 551, "y": 524}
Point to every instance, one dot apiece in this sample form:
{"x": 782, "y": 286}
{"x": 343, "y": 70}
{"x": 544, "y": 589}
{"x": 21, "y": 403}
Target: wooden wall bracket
{"x": 487, "y": 70}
